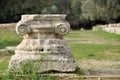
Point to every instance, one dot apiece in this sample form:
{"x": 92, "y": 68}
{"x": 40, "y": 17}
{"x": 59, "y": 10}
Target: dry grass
{"x": 7, "y": 27}
{"x": 99, "y": 64}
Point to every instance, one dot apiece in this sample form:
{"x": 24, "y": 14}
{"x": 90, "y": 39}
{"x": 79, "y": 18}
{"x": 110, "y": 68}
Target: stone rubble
{"x": 112, "y": 28}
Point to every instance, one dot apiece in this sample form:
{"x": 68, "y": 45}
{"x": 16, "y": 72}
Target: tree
{"x": 79, "y": 12}
{"x": 54, "y": 9}
{"x": 107, "y": 10}
{"x": 113, "y": 9}
{"x": 76, "y": 12}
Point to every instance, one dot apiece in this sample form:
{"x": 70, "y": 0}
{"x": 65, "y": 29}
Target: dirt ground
{"x": 102, "y": 64}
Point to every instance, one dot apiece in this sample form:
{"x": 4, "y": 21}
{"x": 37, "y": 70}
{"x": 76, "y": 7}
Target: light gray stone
{"x": 43, "y": 46}
{"x": 112, "y": 28}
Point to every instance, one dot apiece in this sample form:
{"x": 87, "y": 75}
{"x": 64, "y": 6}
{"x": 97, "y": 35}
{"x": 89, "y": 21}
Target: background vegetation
{"x": 81, "y": 13}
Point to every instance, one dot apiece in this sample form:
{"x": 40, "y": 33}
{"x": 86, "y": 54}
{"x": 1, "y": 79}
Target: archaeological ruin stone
{"x": 43, "y": 47}
{"x": 112, "y": 28}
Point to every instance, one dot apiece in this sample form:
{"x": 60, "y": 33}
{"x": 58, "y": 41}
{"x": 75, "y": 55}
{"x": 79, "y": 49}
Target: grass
{"x": 98, "y": 46}
{"x": 15, "y": 76}
{"x": 92, "y": 35}
{"x": 107, "y": 49}
{"x": 4, "y": 60}
{"x": 22, "y": 75}
{"x": 95, "y": 51}
{"x": 9, "y": 38}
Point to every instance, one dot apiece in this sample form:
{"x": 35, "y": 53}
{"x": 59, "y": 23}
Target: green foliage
{"x": 63, "y": 6}
{"x": 54, "y": 9}
{"x": 50, "y": 10}
{"x": 107, "y": 10}
{"x": 81, "y": 13}
{"x": 76, "y": 12}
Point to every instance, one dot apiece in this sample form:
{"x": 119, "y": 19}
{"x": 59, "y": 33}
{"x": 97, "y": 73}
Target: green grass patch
{"x": 95, "y": 51}
{"x": 3, "y": 67}
{"x": 9, "y": 38}
{"x": 92, "y": 35}
{"x": 101, "y": 51}
{"x": 106, "y": 35}
{"x": 4, "y": 62}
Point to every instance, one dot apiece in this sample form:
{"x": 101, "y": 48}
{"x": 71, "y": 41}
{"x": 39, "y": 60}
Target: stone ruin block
{"x": 43, "y": 46}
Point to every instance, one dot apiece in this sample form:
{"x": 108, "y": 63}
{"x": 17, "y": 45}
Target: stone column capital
{"x": 22, "y": 28}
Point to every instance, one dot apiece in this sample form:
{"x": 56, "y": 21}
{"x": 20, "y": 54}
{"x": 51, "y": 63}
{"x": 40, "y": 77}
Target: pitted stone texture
{"x": 43, "y": 46}
{"x": 43, "y": 62}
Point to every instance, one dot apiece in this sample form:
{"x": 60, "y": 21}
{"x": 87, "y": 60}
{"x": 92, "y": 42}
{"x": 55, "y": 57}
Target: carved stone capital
{"x": 38, "y": 25}
{"x": 62, "y": 29}
{"x": 22, "y": 28}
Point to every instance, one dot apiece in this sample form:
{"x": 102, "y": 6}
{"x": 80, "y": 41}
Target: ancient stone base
{"x": 53, "y": 54}
{"x": 43, "y": 47}
{"x": 59, "y": 64}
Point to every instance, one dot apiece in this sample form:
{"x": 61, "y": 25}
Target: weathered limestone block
{"x": 112, "y": 28}
{"x": 43, "y": 46}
